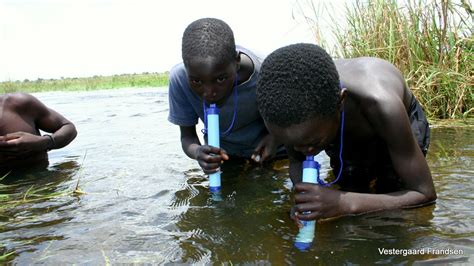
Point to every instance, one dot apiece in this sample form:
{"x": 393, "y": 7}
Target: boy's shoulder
{"x": 370, "y": 68}
{"x": 178, "y": 78}
{"x": 371, "y": 78}
{"x": 17, "y": 100}
{"x": 178, "y": 71}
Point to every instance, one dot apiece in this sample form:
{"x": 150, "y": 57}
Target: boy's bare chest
{"x": 11, "y": 122}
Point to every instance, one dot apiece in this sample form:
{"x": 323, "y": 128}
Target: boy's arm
{"x": 45, "y": 119}
{"x": 391, "y": 122}
{"x": 189, "y": 141}
{"x": 63, "y": 131}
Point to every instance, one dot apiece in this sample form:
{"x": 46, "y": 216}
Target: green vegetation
{"x": 21, "y": 200}
{"x": 92, "y": 83}
{"x": 10, "y": 198}
{"x": 431, "y": 42}
{"x": 13, "y": 198}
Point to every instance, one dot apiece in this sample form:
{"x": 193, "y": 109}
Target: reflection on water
{"x": 146, "y": 202}
{"x": 33, "y": 202}
{"x": 244, "y": 226}
{"x": 252, "y": 225}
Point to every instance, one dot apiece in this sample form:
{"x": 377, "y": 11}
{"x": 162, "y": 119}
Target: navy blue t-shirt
{"x": 186, "y": 108}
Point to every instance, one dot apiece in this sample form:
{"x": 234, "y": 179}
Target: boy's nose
{"x": 209, "y": 91}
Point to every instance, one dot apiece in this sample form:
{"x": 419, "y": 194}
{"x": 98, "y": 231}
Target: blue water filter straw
{"x": 213, "y": 140}
{"x": 305, "y": 236}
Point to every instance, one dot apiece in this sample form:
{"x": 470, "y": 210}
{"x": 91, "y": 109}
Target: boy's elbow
{"x": 73, "y": 131}
{"x": 431, "y": 196}
{"x": 427, "y": 189}
{"x": 424, "y": 194}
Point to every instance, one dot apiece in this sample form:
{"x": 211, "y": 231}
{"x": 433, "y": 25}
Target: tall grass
{"x": 431, "y": 42}
{"x": 91, "y": 83}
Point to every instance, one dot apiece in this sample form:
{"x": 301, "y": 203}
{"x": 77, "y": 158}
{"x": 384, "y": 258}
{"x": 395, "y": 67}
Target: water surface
{"x": 146, "y": 202}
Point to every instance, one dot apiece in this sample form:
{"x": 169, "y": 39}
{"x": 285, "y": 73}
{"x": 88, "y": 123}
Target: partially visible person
{"x": 362, "y": 114}
{"x": 22, "y": 116}
{"x": 215, "y": 70}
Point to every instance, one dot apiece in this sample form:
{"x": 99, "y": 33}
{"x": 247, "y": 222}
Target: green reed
{"x": 429, "y": 41}
{"x": 4, "y": 257}
{"x": 13, "y": 198}
{"x": 90, "y": 83}
{"x": 22, "y": 195}
{"x": 13, "y": 195}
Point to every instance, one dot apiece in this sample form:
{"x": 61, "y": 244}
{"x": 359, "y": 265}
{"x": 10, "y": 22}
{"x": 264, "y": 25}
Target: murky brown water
{"x": 146, "y": 202}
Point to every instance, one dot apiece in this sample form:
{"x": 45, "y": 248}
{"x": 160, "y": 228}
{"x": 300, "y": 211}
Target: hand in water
{"x": 210, "y": 158}
{"x": 315, "y": 202}
{"x": 294, "y": 217}
{"x": 265, "y": 150}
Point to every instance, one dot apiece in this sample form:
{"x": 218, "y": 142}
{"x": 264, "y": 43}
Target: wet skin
{"x": 21, "y": 118}
{"x": 375, "y": 99}
{"x": 213, "y": 81}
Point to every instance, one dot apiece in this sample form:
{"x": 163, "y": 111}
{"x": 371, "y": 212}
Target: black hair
{"x": 296, "y": 83}
{"x": 208, "y": 37}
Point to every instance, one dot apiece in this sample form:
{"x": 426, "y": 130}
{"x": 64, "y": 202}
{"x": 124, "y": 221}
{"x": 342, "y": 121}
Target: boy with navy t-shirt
{"x": 215, "y": 70}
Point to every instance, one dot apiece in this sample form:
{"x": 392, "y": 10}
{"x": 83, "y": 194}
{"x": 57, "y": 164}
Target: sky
{"x": 67, "y": 38}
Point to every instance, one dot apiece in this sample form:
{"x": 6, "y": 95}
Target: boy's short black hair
{"x": 208, "y": 37}
{"x": 296, "y": 83}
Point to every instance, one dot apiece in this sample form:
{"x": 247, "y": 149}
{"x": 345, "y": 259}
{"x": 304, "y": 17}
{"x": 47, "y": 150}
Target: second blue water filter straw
{"x": 305, "y": 236}
{"x": 213, "y": 135}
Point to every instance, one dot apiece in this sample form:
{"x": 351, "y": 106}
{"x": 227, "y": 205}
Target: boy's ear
{"x": 237, "y": 56}
{"x": 342, "y": 98}
{"x": 237, "y": 60}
